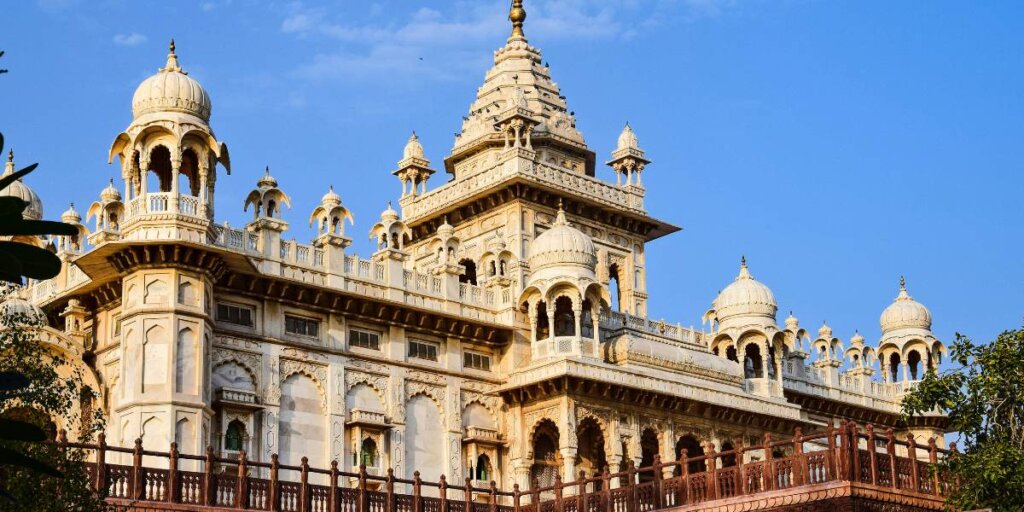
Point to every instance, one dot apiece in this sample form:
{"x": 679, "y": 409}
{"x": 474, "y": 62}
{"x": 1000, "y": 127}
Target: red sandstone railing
{"x": 835, "y": 455}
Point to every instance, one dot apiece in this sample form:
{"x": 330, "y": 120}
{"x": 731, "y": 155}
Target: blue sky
{"x": 837, "y": 144}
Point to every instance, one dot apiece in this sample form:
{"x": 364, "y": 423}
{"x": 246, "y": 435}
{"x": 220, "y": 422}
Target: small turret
{"x": 628, "y": 159}
{"x": 414, "y": 168}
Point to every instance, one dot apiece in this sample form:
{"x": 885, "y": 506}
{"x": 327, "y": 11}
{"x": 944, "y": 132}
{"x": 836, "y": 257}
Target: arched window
{"x": 543, "y": 328}
{"x": 587, "y": 321}
{"x": 160, "y": 165}
{"x": 271, "y": 208}
{"x": 693, "y": 449}
{"x": 188, "y": 173}
{"x": 771, "y": 362}
{"x": 730, "y": 354}
{"x": 469, "y": 276}
{"x": 613, "y": 286}
{"x": 234, "y": 436}
{"x": 648, "y": 449}
{"x": 894, "y": 366}
{"x": 752, "y": 362}
{"x": 368, "y": 453}
{"x": 590, "y": 456}
{"x": 914, "y": 364}
{"x": 483, "y": 468}
{"x": 565, "y": 319}
{"x": 730, "y": 459}
{"x": 494, "y": 268}
{"x": 546, "y": 461}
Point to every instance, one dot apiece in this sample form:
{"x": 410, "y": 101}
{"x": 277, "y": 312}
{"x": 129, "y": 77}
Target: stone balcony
{"x": 237, "y": 398}
{"x": 482, "y": 435}
{"x": 564, "y": 346}
{"x": 371, "y": 419}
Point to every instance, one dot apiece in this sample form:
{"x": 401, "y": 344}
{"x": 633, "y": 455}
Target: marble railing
{"x": 520, "y": 163}
{"x": 851, "y": 388}
{"x": 238, "y": 396}
{"x": 164, "y": 202}
{"x": 309, "y": 263}
{"x": 614, "y": 321}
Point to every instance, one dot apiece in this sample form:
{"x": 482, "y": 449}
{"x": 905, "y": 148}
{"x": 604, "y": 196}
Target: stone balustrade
{"x": 513, "y": 164}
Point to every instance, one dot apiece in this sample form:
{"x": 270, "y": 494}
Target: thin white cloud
{"x": 441, "y": 46}
{"x": 133, "y": 39}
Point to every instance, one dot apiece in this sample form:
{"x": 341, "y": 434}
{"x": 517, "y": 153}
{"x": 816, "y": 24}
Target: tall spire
{"x": 517, "y": 15}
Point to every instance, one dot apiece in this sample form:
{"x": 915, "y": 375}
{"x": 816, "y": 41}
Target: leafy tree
{"x": 47, "y": 387}
{"x": 36, "y": 384}
{"x": 984, "y": 397}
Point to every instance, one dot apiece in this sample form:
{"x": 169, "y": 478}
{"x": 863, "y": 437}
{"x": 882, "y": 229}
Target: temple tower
{"x": 168, "y": 157}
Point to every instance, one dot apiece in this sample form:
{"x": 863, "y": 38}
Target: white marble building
{"x": 498, "y": 332}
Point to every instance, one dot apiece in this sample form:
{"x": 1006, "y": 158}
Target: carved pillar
{"x": 547, "y": 316}
{"x": 204, "y": 178}
{"x": 144, "y": 175}
{"x": 764, "y": 359}
{"x": 577, "y": 318}
{"x": 568, "y": 462}
{"x": 175, "y": 172}
{"x": 533, "y": 322}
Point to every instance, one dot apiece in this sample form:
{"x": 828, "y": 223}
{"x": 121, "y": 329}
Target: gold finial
{"x": 517, "y": 15}
{"x": 903, "y": 283}
{"x": 10, "y": 155}
{"x": 743, "y": 261}
{"x": 172, "y": 60}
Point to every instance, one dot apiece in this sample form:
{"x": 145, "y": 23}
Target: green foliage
{"x": 37, "y": 385}
{"x": 984, "y": 398}
{"x": 40, "y": 388}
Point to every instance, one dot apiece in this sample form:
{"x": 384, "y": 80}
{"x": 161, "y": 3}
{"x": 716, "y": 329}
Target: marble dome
{"x": 110, "y": 193}
{"x": 745, "y": 296}
{"x": 71, "y": 215}
{"x": 21, "y": 311}
{"x": 905, "y": 312}
{"x": 413, "y": 148}
{"x": 331, "y": 198}
{"x": 628, "y": 139}
{"x": 389, "y": 214}
{"x": 171, "y": 90}
{"x": 34, "y": 210}
{"x": 562, "y": 245}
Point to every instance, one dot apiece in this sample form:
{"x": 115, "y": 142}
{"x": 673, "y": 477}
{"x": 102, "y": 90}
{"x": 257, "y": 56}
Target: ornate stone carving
{"x": 425, "y": 377}
{"x": 303, "y": 354}
{"x": 317, "y": 372}
{"x": 378, "y": 383}
{"x": 492, "y": 403}
{"x": 455, "y": 457}
{"x": 368, "y": 366}
{"x": 435, "y": 393}
{"x": 397, "y": 451}
{"x": 273, "y": 393}
{"x": 249, "y": 361}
